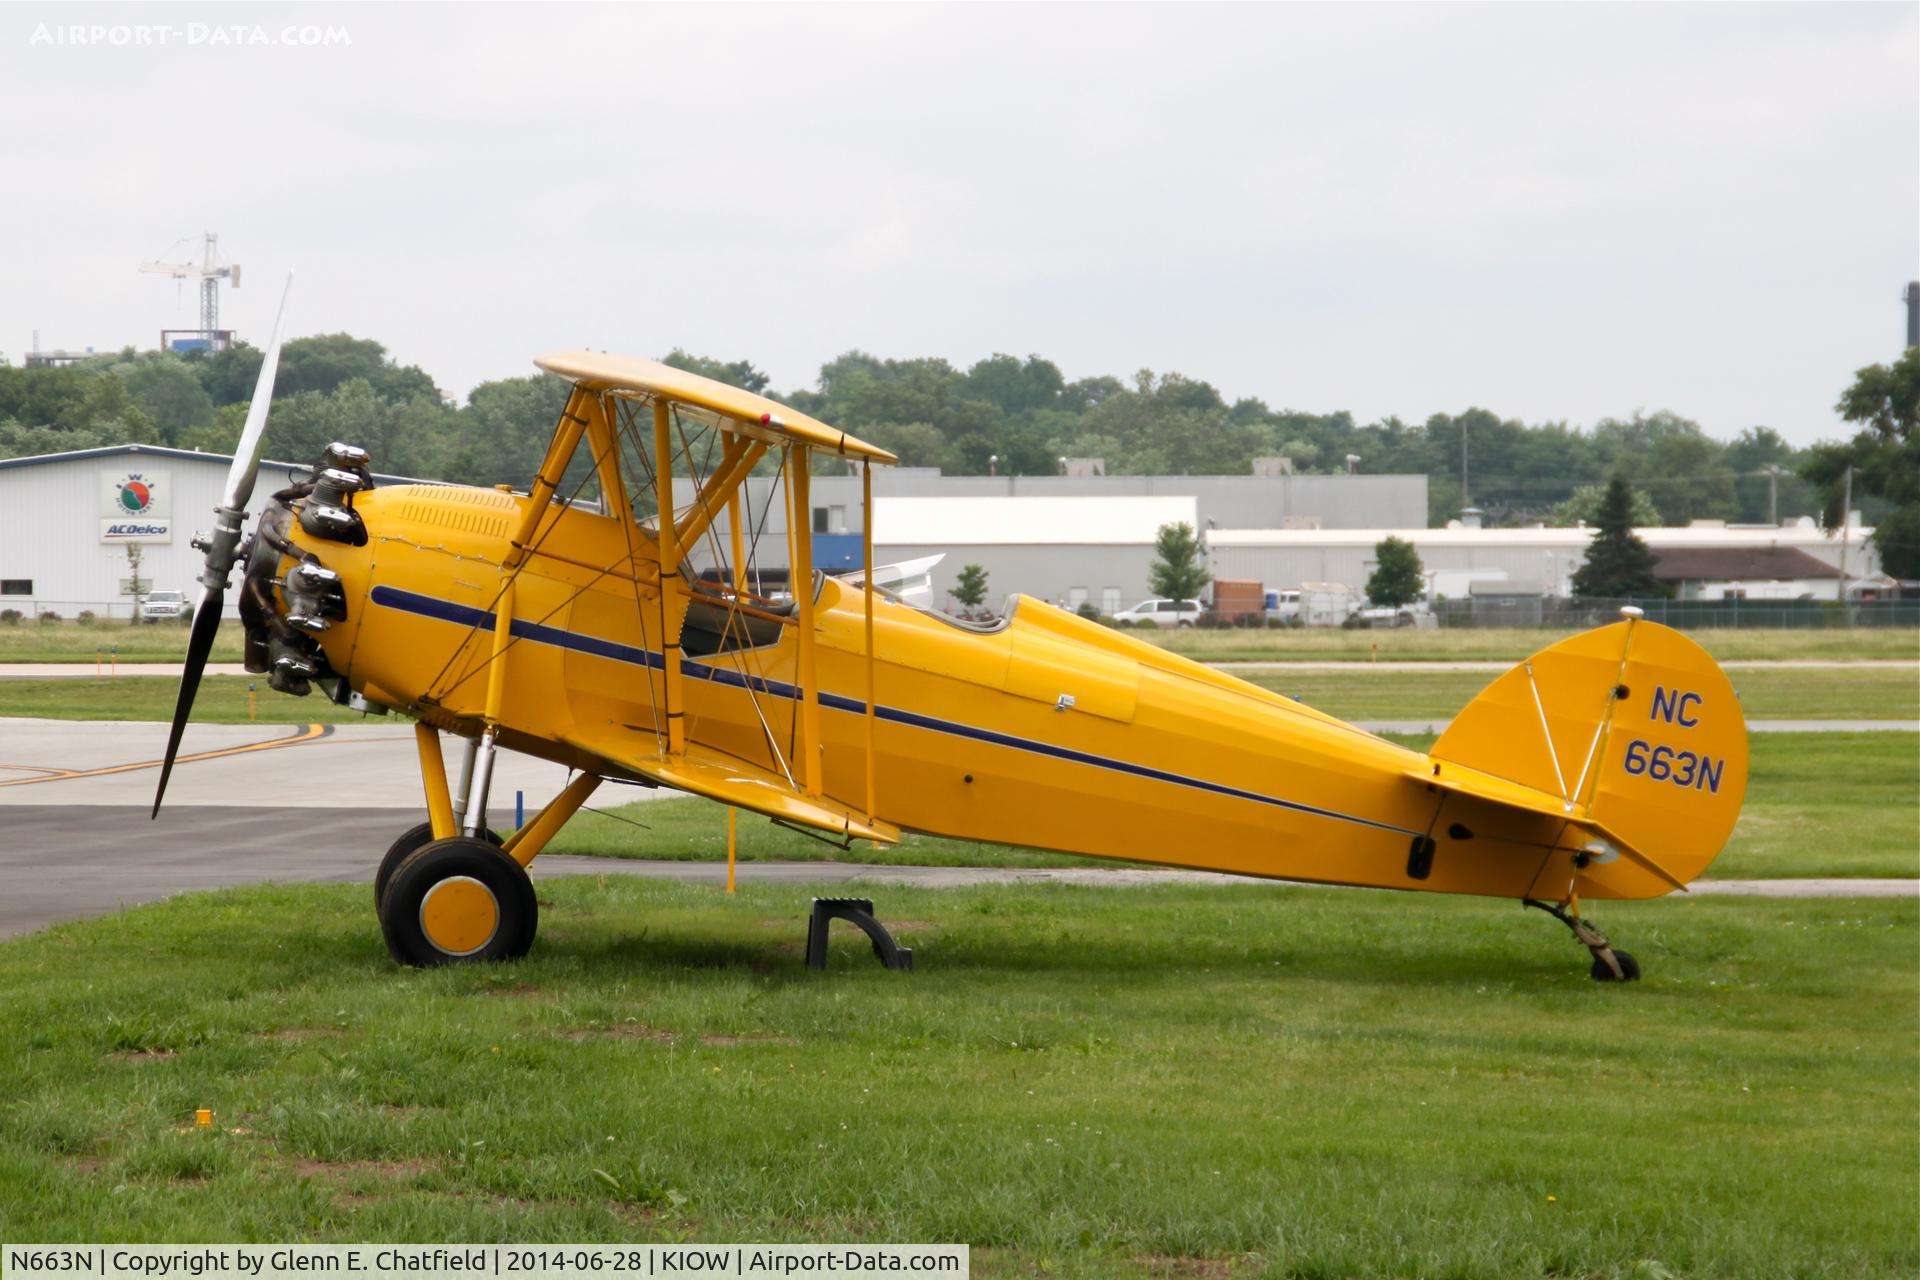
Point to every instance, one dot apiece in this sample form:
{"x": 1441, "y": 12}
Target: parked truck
{"x": 1238, "y": 602}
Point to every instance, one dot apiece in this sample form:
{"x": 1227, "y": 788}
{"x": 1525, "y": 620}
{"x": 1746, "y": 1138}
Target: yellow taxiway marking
{"x": 306, "y": 733}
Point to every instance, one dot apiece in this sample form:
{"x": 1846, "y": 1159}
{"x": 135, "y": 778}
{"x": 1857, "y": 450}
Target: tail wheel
{"x": 1629, "y": 968}
{"x": 410, "y": 839}
{"x": 458, "y": 900}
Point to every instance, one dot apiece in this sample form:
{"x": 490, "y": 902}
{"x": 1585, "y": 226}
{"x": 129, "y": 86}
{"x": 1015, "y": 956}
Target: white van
{"x": 1162, "y": 613}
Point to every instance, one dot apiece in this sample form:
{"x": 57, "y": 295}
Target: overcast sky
{"x": 1551, "y": 211}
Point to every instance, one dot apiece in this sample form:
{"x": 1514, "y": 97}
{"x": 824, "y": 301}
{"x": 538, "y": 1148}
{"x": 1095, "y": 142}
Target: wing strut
{"x": 547, "y": 481}
{"x": 800, "y": 483}
{"x": 669, "y": 568}
{"x": 866, "y": 591}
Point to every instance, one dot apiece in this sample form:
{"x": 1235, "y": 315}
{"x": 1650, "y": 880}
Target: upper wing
{"x": 748, "y": 414}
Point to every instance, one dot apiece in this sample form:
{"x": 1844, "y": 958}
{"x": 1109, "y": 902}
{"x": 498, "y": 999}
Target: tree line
{"x": 1003, "y": 413}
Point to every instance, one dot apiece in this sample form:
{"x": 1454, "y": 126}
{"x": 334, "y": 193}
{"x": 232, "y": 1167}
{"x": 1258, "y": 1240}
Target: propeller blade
{"x": 246, "y": 454}
{"x": 206, "y": 624}
{"x": 223, "y": 546}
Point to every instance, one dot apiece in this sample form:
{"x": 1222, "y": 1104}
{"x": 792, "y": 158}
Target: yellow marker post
{"x": 203, "y": 1118}
{"x": 253, "y": 703}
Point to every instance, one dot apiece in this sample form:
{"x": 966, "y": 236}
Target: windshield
{"x": 165, "y": 595}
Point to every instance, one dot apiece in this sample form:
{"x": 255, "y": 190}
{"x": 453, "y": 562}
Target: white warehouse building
{"x": 68, "y": 520}
{"x": 1800, "y": 560}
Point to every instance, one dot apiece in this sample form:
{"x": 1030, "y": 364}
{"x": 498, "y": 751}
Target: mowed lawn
{"x": 220, "y": 700}
{"x": 1175, "y": 1081}
{"x": 68, "y": 640}
{"x": 1818, "y": 804}
{"x": 1358, "y": 693}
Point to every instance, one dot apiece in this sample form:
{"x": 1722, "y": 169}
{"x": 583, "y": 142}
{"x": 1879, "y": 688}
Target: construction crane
{"x": 209, "y": 273}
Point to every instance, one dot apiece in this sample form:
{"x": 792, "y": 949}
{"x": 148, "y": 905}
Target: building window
{"x": 1076, "y": 596}
{"x": 16, "y": 586}
{"x": 1109, "y": 600}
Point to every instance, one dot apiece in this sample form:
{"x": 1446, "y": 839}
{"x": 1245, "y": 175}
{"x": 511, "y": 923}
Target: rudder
{"x": 1634, "y": 732}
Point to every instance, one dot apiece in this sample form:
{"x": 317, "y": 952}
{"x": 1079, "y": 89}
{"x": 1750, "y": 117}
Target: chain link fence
{"x": 1683, "y": 615}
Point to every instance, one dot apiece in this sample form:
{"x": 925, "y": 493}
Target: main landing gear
{"x": 450, "y": 891}
{"x": 1609, "y": 963}
{"x": 459, "y": 899}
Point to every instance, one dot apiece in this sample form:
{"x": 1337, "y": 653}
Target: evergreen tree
{"x": 1618, "y": 563}
{"x": 1177, "y": 572}
{"x": 1397, "y": 578}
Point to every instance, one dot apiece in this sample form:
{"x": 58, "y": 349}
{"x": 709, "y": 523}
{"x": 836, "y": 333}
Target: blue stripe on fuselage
{"x": 559, "y": 637}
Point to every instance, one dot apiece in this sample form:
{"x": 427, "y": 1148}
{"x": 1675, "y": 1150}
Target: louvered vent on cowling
{"x": 483, "y": 512}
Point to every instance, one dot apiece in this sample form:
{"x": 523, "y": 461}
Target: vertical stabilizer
{"x": 1631, "y": 728}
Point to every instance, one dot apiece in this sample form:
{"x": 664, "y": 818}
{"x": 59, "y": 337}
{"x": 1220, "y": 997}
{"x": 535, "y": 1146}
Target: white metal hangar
{"x": 71, "y": 523}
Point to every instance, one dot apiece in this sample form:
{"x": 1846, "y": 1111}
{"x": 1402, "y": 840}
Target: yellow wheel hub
{"x": 459, "y": 915}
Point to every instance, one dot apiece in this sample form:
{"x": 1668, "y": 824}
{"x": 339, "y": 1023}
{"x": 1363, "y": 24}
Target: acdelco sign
{"x": 136, "y": 506}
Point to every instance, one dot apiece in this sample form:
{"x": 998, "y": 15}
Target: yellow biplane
{"x": 622, "y": 619}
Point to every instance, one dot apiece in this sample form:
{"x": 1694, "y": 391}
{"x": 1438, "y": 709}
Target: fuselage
{"x": 1048, "y": 731}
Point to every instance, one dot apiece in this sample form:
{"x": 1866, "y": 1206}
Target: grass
{"x": 1828, "y": 804}
{"x": 1209, "y": 1082}
{"x": 67, "y": 641}
{"x": 1779, "y": 693}
{"x": 1461, "y": 644}
{"x": 1362, "y": 693}
{"x": 1818, "y": 804}
{"x": 220, "y": 700}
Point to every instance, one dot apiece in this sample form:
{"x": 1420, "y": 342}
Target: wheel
{"x": 1629, "y": 967}
{"x": 410, "y": 839}
{"x": 458, "y": 900}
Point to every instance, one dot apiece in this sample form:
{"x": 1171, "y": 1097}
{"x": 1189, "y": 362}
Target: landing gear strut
{"x": 1609, "y": 964}
{"x": 450, "y": 891}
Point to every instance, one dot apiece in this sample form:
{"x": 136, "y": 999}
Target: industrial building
{"x": 1706, "y": 560}
{"x": 70, "y": 523}
{"x": 1071, "y": 539}
{"x": 70, "y": 519}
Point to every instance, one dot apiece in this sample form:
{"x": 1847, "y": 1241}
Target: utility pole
{"x": 1466, "y": 499}
{"x": 1773, "y": 471}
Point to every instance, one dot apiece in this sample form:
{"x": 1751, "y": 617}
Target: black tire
{"x": 434, "y": 868}
{"x": 1629, "y": 968}
{"x": 410, "y": 839}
